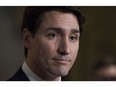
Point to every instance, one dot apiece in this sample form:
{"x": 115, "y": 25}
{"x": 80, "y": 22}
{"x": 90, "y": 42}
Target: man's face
{"x": 55, "y": 45}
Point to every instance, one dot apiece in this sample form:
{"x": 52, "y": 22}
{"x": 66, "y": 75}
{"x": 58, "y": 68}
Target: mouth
{"x": 62, "y": 61}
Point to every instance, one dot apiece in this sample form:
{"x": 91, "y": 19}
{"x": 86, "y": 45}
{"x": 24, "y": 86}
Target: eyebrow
{"x": 59, "y": 29}
{"x": 75, "y": 31}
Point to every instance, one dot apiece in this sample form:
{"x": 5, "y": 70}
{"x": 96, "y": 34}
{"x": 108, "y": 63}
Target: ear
{"x": 27, "y": 38}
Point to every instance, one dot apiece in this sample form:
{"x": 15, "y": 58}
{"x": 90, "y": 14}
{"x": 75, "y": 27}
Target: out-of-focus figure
{"x": 105, "y": 69}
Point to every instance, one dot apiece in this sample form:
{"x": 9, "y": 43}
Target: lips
{"x": 62, "y": 60}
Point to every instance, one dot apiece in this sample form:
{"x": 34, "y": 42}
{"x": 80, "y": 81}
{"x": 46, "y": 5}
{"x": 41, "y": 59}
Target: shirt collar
{"x": 31, "y": 75}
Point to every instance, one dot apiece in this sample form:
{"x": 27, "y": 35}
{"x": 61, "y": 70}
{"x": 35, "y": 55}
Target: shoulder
{"x": 19, "y": 76}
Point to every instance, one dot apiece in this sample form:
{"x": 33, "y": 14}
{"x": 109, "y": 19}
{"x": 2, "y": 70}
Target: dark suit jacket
{"x": 19, "y": 76}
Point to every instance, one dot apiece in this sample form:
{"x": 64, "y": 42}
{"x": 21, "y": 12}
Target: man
{"x": 51, "y": 40}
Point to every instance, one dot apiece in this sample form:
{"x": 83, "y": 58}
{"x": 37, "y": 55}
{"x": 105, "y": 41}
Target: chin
{"x": 62, "y": 73}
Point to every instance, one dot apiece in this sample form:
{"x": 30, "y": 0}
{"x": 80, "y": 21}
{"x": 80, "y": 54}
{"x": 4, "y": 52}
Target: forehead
{"x": 56, "y": 19}
{"x": 55, "y": 14}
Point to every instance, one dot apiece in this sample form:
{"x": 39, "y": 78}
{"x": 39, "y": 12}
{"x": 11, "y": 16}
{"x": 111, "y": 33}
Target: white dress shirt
{"x": 30, "y": 74}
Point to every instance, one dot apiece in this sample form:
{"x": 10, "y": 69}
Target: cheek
{"x": 74, "y": 50}
{"x": 42, "y": 54}
{"x": 48, "y": 52}
{"x": 49, "y": 49}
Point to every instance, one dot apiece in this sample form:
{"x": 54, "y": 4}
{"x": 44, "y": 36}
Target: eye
{"x": 52, "y": 36}
{"x": 74, "y": 38}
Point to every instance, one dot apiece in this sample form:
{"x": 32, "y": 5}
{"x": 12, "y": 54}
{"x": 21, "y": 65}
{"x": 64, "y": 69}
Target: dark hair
{"x": 33, "y": 16}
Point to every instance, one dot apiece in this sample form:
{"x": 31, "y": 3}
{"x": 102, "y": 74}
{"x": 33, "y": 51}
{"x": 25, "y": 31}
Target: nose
{"x": 64, "y": 47}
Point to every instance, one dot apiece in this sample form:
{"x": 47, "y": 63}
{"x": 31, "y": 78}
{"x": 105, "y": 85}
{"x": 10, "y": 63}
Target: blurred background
{"x": 98, "y": 39}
